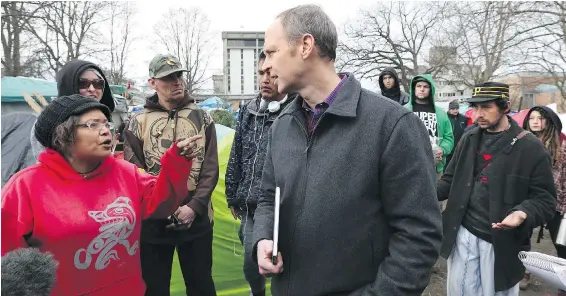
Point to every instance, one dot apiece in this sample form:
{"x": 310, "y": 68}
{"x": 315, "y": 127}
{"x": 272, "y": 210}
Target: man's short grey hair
{"x": 311, "y": 19}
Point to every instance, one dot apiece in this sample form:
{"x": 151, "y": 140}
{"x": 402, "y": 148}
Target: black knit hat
{"x": 60, "y": 110}
{"x": 489, "y": 91}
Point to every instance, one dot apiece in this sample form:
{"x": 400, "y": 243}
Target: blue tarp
{"x": 13, "y": 87}
{"x": 215, "y": 103}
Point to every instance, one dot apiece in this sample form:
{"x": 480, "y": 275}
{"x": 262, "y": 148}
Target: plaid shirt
{"x": 313, "y": 116}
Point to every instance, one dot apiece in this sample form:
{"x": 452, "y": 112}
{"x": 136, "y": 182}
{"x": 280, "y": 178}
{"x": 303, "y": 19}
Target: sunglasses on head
{"x": 86, "y": 83}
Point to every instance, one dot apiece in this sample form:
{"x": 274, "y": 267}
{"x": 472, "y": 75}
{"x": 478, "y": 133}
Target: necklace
{"x": 84, "y": 175}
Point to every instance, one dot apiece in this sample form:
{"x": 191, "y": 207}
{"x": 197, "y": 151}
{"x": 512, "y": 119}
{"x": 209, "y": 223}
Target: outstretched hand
{"x": 513, "y": 220}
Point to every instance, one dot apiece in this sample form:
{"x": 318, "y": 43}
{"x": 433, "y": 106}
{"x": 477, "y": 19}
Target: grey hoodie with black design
{"x": 243, "y": 174}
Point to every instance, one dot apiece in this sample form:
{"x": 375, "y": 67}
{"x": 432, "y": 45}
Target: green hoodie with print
{"x": 443, "y": 126}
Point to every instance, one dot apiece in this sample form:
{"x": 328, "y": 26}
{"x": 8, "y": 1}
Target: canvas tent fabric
{"x": 13, "y": 87}
{"x": 16, "y": 145}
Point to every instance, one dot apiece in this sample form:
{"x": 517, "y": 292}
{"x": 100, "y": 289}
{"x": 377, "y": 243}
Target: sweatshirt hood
{"x": 68, "y": 81}
{"x": 546, "y": 112}
{"x": 426, "y": 77}
{"x": 61, "y": 167}
{"x": 393, "y": 92}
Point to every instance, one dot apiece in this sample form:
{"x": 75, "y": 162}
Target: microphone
{"x": 27, "y": 272}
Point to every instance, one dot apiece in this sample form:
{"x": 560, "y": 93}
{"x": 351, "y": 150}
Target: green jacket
{"x": 444, "y": 128}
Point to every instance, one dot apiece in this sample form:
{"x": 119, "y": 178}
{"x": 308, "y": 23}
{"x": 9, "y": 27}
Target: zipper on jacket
{"x": 173, "y": 115}
{"x": 304, "y": 131}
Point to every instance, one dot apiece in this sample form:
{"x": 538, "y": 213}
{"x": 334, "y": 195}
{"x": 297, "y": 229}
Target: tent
{"x": 215, "y": 103}
{"x": 226, "y": 247}
{"x": 17, "y": 151}
{"x": 13, "y": 87}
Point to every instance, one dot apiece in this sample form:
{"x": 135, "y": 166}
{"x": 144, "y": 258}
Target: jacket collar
{"x": 345, "y": 104}
{"x": 509, "y": 137}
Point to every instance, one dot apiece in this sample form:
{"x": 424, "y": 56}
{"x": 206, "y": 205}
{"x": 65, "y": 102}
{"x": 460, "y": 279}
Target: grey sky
{"x": 248, "y": 15}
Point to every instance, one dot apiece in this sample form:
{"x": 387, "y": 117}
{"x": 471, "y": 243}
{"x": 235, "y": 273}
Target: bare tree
{"x": 488, "y": 35}
{"x": 393, "y": 35}
{"x": 545, "y": 49}
{"x": 185, "y": 33}
{"x": 67, "y": 31}
{"x": 120, "y": 40}
{"x": 15, "y": 16}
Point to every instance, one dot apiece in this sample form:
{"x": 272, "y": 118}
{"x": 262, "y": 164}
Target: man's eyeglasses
{"x": 86, "y": 83}
{"x": 96, "y": 126}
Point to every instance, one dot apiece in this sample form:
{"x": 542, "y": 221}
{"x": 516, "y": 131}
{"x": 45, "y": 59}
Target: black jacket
{"x": 459, "y": 124}
{"x": 519, "y": 178}
{"x": 350, "y": 223}
{"x": 68, "y": 81}
{"x": 243, "y": 174}
{"x": 394, "y": 93}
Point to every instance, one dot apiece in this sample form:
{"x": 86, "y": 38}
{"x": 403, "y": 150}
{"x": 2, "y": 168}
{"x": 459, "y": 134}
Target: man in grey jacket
{"x": 359, "y": 214}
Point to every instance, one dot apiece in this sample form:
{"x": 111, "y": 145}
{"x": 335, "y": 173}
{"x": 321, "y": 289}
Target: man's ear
{"x": 151, "y": 82}
{"x": 307, "y": 43}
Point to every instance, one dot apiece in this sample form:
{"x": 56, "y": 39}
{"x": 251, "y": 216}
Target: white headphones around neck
{"x": 272, "y": 106}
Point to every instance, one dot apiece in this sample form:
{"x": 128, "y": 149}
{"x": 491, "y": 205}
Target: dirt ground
{"x": 437, "y": 285}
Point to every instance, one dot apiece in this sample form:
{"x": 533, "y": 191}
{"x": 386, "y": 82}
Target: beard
{"x": 493, "y": 126}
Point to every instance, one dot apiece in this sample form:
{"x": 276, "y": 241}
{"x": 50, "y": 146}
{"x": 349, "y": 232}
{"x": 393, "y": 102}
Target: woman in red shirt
{"x": 84, "y": 206}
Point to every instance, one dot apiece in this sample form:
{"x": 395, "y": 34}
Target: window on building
{"x": 250, "y": 42}
{"x": 228, "y": 70}
{"x": 241, "y": 43}
{"x": 260, "y": 43}
{"x": 528, "y": 100}
{"x": 461, "y": 92}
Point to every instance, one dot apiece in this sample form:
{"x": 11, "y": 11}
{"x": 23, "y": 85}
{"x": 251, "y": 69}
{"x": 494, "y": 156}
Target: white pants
{"x": 471, "y": 268}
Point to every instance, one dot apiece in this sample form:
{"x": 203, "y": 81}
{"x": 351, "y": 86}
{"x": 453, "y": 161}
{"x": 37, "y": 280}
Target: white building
{"x": 450, "y": 86}
{"x": 241, "y": 52}
{"x": 451, "y": 82}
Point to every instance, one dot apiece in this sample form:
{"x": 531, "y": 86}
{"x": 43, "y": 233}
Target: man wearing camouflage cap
{"x": 170, "y": 115}
{"x": 499, "y": 187}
